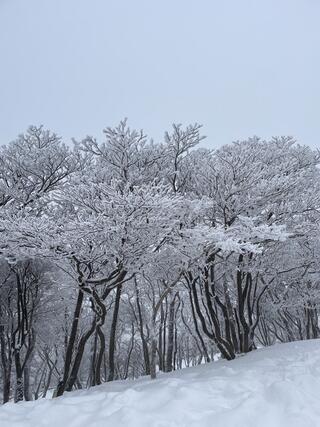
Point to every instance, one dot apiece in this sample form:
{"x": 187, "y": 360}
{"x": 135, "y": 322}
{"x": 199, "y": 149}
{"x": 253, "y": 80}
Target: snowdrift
{"x": 273, "y": 387}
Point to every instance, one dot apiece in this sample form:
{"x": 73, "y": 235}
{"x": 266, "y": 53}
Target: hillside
{"x": 277, "y": 386}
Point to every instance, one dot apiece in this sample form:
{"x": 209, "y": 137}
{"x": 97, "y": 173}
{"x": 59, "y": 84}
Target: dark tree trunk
{"x": 203, "y": 346}
{"x": 112, "y": 341}
{"x": 169, "y": 357}
{"x": 102, "y": 341}
{"x": 6, "y": 387}
{"x": 145, "y": 349}
{"x": 225, "y": 347}
{"x": 71, "y": 345}
{"x": 6, "y": 364}
{"x": 77, "y": 361}
{"x": 26, "y": 382}
{"x": 19, "y": 377}
{"x": 153, "y": 360}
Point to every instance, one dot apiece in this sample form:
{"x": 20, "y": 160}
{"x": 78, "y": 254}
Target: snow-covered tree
{"x": 128, "y": 256}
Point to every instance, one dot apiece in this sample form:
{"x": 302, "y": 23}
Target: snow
{"x": 271, "y": 387}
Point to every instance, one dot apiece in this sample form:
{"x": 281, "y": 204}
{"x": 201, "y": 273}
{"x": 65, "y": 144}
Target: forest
{"x": 130, "y": 257}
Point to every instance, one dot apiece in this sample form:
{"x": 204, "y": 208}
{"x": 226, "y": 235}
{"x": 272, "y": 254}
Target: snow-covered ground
{"x": 273, "y": 387}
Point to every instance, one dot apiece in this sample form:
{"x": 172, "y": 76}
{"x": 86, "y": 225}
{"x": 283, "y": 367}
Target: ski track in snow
{"x": 277, "y": 386}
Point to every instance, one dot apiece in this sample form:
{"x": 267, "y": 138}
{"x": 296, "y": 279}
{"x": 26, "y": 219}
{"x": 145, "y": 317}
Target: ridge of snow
{"x": 278, "y": 386}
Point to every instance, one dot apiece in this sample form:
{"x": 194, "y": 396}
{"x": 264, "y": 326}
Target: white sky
{"x": 239, "y": 67}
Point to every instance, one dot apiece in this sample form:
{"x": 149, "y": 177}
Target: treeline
{"x": 122, "y": 258}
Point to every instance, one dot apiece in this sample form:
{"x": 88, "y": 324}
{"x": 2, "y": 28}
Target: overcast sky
{"x": 239, "y": 67}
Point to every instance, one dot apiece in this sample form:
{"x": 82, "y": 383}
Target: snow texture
{"x": 277, "y": 386}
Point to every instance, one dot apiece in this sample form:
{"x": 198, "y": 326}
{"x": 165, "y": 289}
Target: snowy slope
{"x": 273, "y": 387}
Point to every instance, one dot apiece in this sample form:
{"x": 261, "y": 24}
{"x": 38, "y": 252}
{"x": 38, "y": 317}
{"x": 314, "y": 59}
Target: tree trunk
{"x": 19, "y": 377}
{"x": 26, "y": 382}
{"x": 153, "y": 359}
{"x": 102, "y": 341}
{"x": 77, "y": 361}
{"x": 112, "y": 341}
{"x": 6, "y": 387}
{"x": 71, "y": 344}
{"x": 145, "y": 349}
{"x": 169, "y": 357}
{"x": 6, "y": 363}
